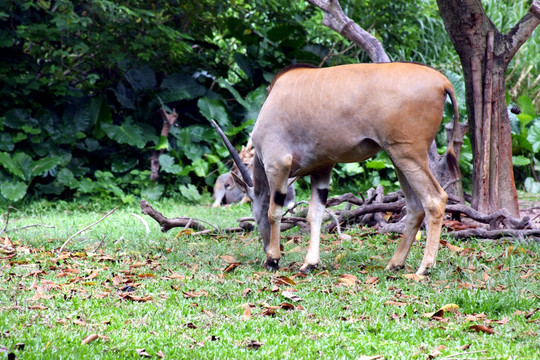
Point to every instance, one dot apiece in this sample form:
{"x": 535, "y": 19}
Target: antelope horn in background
{"x": 243, "y": 169}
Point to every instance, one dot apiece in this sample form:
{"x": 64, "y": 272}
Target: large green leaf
{"x": 190, "y": 192}
{"x": 153, "y": 192}
{"x": 167, "y": 164}
{"x": 39, "y": 167}
{"x": 127, "y": 133}
{"x": 142, "y": 78}
{"x": 526, "y": 105}
{"x": 6, "y": 142}
{"x": 520, "y": 160}
{"x": 534, "y": 136}
{"x": 178, "y": 87}
{"x": 13, "y": 190}
{"x": 11, "y": 165}
{"x": 17, "y": 118}
{"x": 66, "y": 178}
{"x": 213, "y": 109}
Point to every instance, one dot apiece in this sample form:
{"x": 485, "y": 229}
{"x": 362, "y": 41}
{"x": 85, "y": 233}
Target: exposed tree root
{"x": 386, "y": 213}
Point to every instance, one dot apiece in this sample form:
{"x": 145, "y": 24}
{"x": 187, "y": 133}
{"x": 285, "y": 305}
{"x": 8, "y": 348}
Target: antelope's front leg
{"x": 319, "y": 195}
{"x": 278, "y": 174}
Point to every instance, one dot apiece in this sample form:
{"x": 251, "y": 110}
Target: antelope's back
{"x": 329, "y": 112}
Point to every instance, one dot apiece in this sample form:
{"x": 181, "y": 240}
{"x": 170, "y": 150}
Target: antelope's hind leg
{"x": 319, "y": 195}
{"x": 416, "y": 173}
{"x": 415, "y": 216}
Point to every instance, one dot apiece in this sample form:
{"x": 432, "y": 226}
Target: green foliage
{"x": 82, "y": 83}
{"x": 526, "y": 144}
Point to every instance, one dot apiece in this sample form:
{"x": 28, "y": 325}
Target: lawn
{"x": 119, "y": 292}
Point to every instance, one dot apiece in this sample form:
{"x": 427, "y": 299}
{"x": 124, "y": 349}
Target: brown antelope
{"x": 314, "y": 118}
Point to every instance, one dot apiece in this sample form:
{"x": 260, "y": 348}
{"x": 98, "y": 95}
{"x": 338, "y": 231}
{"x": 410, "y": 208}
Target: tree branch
{"x": 335, "y": 19}
{"x": 521, "y": 31}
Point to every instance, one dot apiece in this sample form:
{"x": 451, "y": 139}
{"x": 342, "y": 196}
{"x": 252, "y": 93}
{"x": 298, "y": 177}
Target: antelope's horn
{"x": 243, "y": 168}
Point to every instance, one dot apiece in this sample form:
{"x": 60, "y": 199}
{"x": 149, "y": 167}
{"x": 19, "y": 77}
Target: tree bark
{"x": 485, "y": 54}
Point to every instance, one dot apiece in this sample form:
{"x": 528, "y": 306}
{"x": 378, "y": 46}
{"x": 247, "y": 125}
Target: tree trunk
{"x": 485, "y": 54}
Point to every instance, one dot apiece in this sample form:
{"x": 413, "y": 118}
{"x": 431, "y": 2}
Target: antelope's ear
{"x": 241, "y": 184}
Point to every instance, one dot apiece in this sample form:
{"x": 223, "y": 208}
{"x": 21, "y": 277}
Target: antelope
{"x": 314, "y": 118}
{"x": 225, "y": 190}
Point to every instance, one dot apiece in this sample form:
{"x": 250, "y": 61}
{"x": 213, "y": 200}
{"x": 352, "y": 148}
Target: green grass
{"x": 190, "y": 308}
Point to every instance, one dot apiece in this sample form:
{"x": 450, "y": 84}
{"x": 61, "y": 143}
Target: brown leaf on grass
{"x": 38, "y": 307}
{"x": 372, "y": 280}
{"x": 297, "y": 249}
{"x": 464, "y": 347}
{"x": 347, "y": 279}
{"x": 436, "y": 352}
{"x": 231, "y": 267}
{"x": 160, "y": 354}
{"x": 246, "y": 291}
{"x": 89, "y": 339}
{"x": 284, "y": 280}
{"x": 291, "y": 296}
{"x": 229, "y": 259}
{"x": 247, "y": 312}
{"x": 195, "y": 294}
{"x": 482, "y": 328}
{"x": 531, "y": 313}
{"x": 394, "y": 303}
{"x": 414, "y": 277}
{"x": 253, "y": 344}
{"x": 475, "y": 317}
{"x": 136, "y": 265}
{"x": 286, "y": 306}
{"x": 147, "y": 275}
{"x": 94, "y": 274}
{"x": 143, "y": 353}
{"x": 374, "y": 357}
{"x": 136, "y": 298}
{"x": 40, "y": 294}
{"x": 190, "y": 325}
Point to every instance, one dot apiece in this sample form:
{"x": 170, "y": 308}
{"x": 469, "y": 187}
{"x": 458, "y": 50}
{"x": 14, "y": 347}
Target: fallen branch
{"x": 166, "y": 223}
{"x": 86, "y": 228}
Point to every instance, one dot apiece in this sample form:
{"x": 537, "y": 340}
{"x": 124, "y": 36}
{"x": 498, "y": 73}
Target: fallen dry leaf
{"x": 147, "y": 275}
{"x": 89, "y": 339}
{"x": 531, "y": 313}
{"x": 414, "y": 277}
{"x": 143, "y": 353}
{"x": 284, "y": 280}
{"x": 375, "y": 357}
{"x": 394, "y": 303}
{"x": 291, "y": 296}
{"x": 195, "y": 294}
{"x": 347, "y": 279}
{"x": 229, "y": 259}
{"x": 247, "y": 312}
{"x": 482, "y": 328}
{"x": 136, "y": 298}
{"x": 253, "y": 344}
{"x": 231, "y": 267}
{"x": 437, "y": 351}
{"x": 372, "y": 280}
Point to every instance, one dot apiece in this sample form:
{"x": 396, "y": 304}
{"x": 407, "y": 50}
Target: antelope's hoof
{"x": 423, "y": 270}
{"x": 271, "y": 264}
{"x": 307, "y": 268}
{"x": 394, "y": 267}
